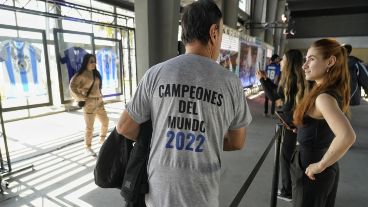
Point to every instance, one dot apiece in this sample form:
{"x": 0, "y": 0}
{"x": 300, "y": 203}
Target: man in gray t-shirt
{"x": 197, "y": 108}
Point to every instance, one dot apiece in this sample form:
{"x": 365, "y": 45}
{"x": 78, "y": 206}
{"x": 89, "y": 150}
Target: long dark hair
{"x": 83, "y": 68}
{"x": 293, "y": 76}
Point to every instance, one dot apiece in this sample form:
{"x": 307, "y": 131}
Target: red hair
{"x": 336, "y": 80}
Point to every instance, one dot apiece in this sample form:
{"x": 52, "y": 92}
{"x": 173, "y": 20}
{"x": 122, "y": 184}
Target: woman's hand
{"x": 260, "y": 74}
{"x": 313, "y": 169}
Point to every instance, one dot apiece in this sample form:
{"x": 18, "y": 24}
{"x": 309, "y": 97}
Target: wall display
{"x": 108, "y": 64}
{"x": 229, "y": 50}
{"x": 24, "y": 75}
{"x": 248, "y": 60}
{"x": 70, "y": 48}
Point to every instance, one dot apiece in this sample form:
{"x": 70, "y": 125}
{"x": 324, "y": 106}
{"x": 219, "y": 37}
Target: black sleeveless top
{"x": 315, "y": 134}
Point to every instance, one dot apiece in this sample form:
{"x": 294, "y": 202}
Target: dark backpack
{"x": 358, "y": 79}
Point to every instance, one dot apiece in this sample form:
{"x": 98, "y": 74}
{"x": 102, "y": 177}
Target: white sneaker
{"x": 90, "y": 152}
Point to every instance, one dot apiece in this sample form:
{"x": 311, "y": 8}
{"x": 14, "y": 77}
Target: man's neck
{"x": 198, "y": 49}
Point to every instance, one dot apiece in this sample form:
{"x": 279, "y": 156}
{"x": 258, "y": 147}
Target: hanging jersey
{"x": 21, "y": 75}
{"x": 106, "y": 65}
{"x": 73, "y": 58}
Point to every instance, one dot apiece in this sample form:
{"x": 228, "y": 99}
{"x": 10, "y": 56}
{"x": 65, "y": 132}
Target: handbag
{"x": 82, "y": 103}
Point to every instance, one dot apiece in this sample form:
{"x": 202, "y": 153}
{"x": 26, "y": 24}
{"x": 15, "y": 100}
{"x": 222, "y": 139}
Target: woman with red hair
{"x": 324, "y": 131}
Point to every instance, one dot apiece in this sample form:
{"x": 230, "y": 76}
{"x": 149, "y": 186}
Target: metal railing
{"x": 277, "y": 138}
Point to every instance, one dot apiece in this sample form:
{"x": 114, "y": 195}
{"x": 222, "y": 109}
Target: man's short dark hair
{"x": 348, "y": 48}
{"x": 274, "y": 57}
{"x": 197, "y": 20}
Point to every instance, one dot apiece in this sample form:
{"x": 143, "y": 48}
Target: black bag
{"x": 112, "y": 161}
{"x": 81, "y": 103}
{"x": 135, "y": 184}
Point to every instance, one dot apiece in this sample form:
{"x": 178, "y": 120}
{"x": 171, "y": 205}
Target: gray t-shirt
{"x": 192, "y": 102}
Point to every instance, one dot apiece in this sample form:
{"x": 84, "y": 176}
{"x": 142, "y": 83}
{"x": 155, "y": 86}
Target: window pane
{"x": 30, "y": 35}
{"x": 126, "y": 74}
{"x": 5, "y": 33}
{"x": 7, "y": 17}
{"x": 103, "y": 31}
{"x": 123, "y": 22}
{"x": 33, "y": 5}
{"x": 125, "y": 12}
{"x": 26, "y": 20}
{"x": 130, "y": 23}
{"x": 77, "y": 26}
{"x": 80, "y": 14}
{"x": 102, "y": 6}
{"x": 132, "y": 39}
{"x": 134, "y": 70}
{"x": 124, "y": 38}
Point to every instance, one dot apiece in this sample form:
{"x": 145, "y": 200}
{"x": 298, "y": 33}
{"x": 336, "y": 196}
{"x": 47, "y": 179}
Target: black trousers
{"x": 287, "y": 150}
{"x": 320, "y": 192}
{"x": 273, "y": 106}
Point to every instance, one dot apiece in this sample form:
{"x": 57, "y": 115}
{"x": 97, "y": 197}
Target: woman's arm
{"x": 327, "y": 106}
{"x": 268, "y": 86}
{"x": 74, "y": 87}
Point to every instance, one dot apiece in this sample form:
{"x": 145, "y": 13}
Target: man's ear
{"x": 214, "y": 32}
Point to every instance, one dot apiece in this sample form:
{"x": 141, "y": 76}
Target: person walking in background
{"x": 324, "y": 131}
{"x": 273, "y": 73}
{"x": 88, "y": 79}
{"x": 290, "y": 90}
{"x": 358, "y": 77}
{"x": 197, "y": 109}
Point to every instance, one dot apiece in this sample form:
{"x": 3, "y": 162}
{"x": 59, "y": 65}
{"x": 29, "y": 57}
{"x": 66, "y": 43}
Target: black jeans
{"x": 313, "y": 193}
{"x": 287, "y": 150}
{"x": 273, "y": 105}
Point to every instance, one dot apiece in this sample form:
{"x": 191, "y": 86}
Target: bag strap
{"x": 90, "y": 88}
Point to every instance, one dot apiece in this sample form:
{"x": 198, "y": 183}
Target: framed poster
{"x": 229, "y": 51}
{"x": 108, "y": 59}
{"x": 248, "y": 61}
{"x": 70, "y": 48}
{"x": 24, "y": 68}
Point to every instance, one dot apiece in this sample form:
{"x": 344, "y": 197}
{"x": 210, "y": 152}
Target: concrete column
{"x": 282, "y": 45}
{"x": 279, "y": 31}
{"x": 230, "y": 13}
{"x": 270, "y": 17}
{"x": 257, "y": 18}
{"x": 157, "y": 24}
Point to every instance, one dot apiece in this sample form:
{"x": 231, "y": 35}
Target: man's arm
{"x": 127, "y": 126}
{"x": 234, "y": 139}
